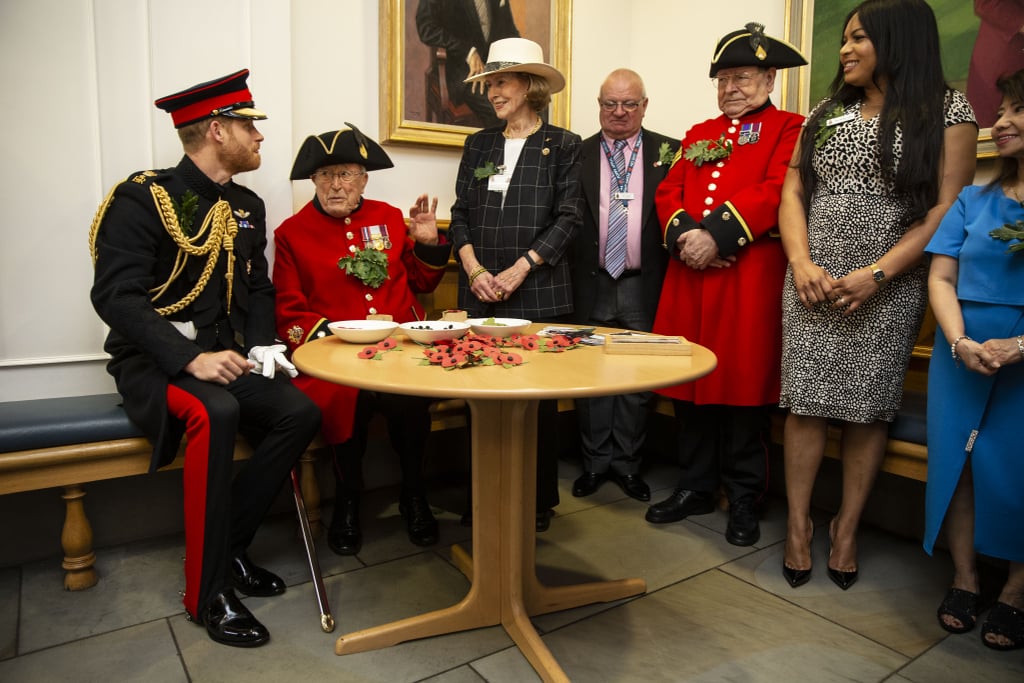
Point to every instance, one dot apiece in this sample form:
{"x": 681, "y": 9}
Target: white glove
{"x": 266, "y": 360}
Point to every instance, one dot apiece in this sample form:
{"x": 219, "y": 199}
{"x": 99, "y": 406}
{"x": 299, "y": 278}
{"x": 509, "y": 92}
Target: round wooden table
{"x": 503, "y": 402}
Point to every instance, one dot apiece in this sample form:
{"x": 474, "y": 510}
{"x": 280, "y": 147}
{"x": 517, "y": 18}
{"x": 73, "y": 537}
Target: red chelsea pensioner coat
{"x": 735, "y": 311}
{"x": 312, "y": 290}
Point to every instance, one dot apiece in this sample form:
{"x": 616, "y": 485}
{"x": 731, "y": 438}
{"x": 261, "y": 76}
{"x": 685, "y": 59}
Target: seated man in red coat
{"x": 313, "y": 290}
{"x": 719, "y": 206}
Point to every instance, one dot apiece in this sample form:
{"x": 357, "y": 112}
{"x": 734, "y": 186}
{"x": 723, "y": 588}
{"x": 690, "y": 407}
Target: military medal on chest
{"x": 376, "y": 237}
{"x": 750, "y": 133}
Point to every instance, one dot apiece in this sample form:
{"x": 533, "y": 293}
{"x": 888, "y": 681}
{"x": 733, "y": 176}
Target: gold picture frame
{"x": 399, "y": 43}
{"x": 795, "y": 87}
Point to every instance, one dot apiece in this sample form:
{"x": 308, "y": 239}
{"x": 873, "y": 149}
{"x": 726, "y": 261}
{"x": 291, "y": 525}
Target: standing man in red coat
{"x": 719, "y": 207}
{"x": 312, "y": 290}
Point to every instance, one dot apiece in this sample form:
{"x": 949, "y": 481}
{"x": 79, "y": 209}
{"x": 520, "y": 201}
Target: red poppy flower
{"x": 387, "y": 344}
{"x": 510, "y": 359}
{"x": 368, "y": 353}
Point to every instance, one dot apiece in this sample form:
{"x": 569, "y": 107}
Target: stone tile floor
{"x": 712, "y": 612}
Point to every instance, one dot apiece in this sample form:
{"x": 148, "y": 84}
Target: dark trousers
{"x": 613, "y": 428}
{"x": 723, "y": 446}
{"x": 221, "y": 514}
{"x": 408, "y": 425}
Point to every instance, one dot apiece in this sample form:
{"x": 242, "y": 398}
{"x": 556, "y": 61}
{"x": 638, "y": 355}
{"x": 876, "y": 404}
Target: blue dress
{"x": 990, "y": 287}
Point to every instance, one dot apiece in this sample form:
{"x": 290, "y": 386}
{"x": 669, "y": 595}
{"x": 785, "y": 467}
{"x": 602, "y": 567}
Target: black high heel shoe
{"x": 797, "y": 577}
{"x": 840, "y": 578}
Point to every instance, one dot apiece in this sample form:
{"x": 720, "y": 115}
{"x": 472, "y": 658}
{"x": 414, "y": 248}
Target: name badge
{"x": 840, "y": 119}
{"x": 623, "y": 196}
{"x": 498, "y": 182}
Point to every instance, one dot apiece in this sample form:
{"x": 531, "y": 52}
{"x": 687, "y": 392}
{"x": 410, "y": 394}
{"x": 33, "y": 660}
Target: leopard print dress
{"x": 852, "y": 368}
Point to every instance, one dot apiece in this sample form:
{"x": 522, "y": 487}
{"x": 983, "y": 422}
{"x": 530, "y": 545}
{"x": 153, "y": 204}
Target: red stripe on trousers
{"x": 190, "y": 409}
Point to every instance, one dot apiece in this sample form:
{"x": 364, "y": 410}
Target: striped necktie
{"x": 618, "y": 222}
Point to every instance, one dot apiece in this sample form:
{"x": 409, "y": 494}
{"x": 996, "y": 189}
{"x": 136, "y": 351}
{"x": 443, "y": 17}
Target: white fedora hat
{"x": 522, "y": 55}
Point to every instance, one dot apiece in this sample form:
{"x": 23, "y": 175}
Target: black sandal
{"x": 961, "y": 605}
{"x": 1006, "y": 621}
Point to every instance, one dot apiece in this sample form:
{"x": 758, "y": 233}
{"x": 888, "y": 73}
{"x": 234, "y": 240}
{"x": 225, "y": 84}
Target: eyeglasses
{"x": 325, "y": 176}
{"x": 739, "y": 80}
{"x": 628, "y": 106}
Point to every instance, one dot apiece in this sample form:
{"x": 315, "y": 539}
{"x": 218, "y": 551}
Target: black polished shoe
{"x": 229, "y": 622}
{"x": 419, "y": 520}
{"x": 249, "y": 579}
{"x": 544, "y": 519}
{"x": 680, "y": 505}
{"x": 634, "y": 486}
{"x": 588, "y": 483}
{"x": 344, "y": 536}
{"x": 743, "y": 528}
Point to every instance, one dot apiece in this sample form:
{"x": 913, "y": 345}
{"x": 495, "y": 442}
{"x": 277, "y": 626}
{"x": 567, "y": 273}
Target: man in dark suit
{"x": 464, "y": 28}
{"x": 618, "y": 264}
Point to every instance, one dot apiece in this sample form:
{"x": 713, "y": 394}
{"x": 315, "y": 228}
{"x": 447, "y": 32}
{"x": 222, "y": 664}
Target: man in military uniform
{"x": 182, "y": 281}
{"x": 719, "y": 207}
{"x": 395, "y": 262}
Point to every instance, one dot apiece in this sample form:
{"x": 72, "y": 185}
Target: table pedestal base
{"x": 504, "y": 587}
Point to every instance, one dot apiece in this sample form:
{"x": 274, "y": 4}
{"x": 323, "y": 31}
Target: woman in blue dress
{"x": 975, "y": 393}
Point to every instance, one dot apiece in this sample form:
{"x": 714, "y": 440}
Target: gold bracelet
{"x": 477, "y": 272}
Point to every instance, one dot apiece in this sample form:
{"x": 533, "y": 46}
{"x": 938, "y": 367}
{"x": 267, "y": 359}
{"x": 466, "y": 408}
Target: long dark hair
{"x": 1011, "y": 87}
{"x": 906, "y": 40}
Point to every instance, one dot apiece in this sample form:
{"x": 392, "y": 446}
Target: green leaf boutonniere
{"x": 708, "y": 150}
{"x": 487, "y": 170}
{"x": 1010, "y": 232}
{"x": 666, "y": 155}
{"x": 369, "y": 265}
{"x": 185, "y": 209}
{"x": 825, "y": 131}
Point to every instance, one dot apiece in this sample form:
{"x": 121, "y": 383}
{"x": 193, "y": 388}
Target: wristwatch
{"x": 878, "y": 274}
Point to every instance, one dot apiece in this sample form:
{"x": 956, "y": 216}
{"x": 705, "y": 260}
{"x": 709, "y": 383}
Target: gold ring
{"x": 500, "y": 295}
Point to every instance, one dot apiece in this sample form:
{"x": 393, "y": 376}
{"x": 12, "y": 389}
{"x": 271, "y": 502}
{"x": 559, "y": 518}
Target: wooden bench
{"x": 68, "y": 442}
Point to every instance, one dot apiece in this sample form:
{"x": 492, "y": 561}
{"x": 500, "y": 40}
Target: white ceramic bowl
{"x": 498, "y": 327}
{"x": 362, "y": 331}
{"x": 430, "y": 331}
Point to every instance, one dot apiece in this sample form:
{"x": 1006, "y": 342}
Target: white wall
{"x": 78, "y": 116}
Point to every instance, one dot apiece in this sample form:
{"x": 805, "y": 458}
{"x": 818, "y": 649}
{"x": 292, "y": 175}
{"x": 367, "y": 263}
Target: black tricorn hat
{"x": 345, "y": 146}
{"x": 225, "y": 96}
{"x": 751, "y": 47}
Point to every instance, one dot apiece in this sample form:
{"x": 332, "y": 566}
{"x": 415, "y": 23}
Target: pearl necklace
{"x": 508, "y": 135}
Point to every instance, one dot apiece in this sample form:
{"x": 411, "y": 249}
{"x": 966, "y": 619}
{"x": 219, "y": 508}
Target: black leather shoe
{"x": 588, "y": 483}
{"x": 228, "y": 622}
{"x": 419, "y": 520}
{"x": 680, "y": 505}
{"x": 249, "y": 579}
{"x": 634, "y": 486}
{"x": 743, "y": 528}
{"x": 544, "y": 519}
{"x": 344, "y": 536}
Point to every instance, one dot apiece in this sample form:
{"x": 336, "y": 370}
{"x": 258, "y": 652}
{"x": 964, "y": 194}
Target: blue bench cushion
{"x": 911, "y": 423}
{"x": 48, "y": 422}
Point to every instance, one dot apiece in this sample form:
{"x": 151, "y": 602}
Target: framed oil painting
{"x": 426, "y": 47}
{"x": 816, "y": 28}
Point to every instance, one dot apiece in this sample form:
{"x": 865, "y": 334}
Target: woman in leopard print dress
{"x": 878, "y": 164}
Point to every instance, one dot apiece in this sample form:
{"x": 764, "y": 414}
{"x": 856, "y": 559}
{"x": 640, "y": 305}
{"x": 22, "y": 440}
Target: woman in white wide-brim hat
{"x": 518, "y": 205}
